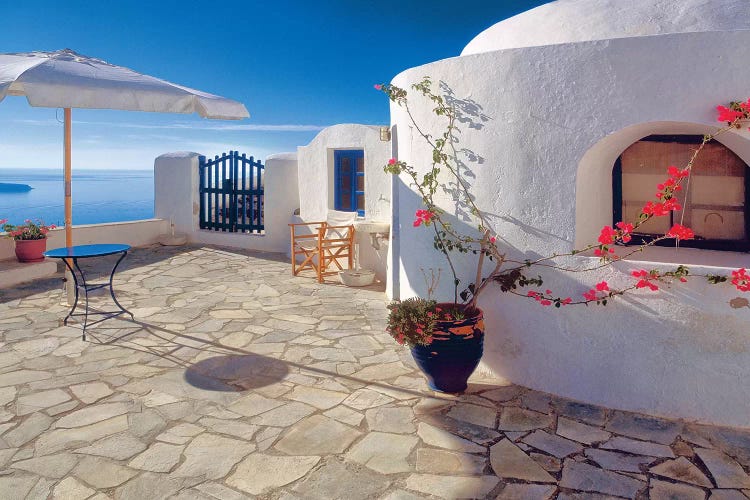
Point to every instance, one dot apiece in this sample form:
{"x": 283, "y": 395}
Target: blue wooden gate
{"x": 231, "y": 193}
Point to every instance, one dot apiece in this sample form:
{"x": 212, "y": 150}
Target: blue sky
{"x": 298, "y": 66}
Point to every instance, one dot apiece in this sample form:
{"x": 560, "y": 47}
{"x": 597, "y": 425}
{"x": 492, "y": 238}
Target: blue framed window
{"x": 349, "y": 180}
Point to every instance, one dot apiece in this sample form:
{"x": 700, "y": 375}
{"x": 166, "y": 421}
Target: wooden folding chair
{"x": 322, "y": 247}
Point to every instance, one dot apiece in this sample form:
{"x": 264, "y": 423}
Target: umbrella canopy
{"x": 66, "y": 79}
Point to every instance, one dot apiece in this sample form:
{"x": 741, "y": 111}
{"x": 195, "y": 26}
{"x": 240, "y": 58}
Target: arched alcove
{"x": 594, "y": 199}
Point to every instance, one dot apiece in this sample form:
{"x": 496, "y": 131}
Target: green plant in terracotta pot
{"x": 451, "y": 334}
{"x": 30, "y": 238}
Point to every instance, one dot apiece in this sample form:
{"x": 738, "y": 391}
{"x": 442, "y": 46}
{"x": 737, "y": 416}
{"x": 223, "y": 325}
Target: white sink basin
{"x": 372, "y": 227}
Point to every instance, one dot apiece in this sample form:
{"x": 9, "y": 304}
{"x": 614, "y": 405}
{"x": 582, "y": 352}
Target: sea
{"x": 98, "y": 195}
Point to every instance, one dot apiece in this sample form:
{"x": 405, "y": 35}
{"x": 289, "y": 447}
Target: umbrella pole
{"x": 70, "y": 291}
{"x": 68, "y": 169}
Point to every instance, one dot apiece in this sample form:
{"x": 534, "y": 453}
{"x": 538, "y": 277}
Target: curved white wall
{"x": 566, "y": 21}
{"x": 539, "y": 119}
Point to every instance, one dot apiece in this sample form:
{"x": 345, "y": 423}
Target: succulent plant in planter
{"x": 447, "y": 334}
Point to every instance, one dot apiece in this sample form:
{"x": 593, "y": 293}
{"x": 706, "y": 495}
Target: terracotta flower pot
{"x": 454, "y": 353}
{"x": 31, "y": 250}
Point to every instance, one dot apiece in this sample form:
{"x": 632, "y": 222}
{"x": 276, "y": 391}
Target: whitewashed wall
{"x": 316, "y": 183}
{"x": 176, "y": 197}
{"x": 544, "y": 127}
{"x": 316, "y": 170}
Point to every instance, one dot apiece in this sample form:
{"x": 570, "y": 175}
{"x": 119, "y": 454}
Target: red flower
{"x": 661, "y": 209}
{"x": 602, "y": 287}
{"x": 566, "y": 301}
{"x": 645, "y": 279}
{"x": 741, "y": 280}
{"x": 378, "y": 86}
{"x": 728, "y": 115}
{"x": 392, "y": 161}
{"x": 680, "y": 232}
{"x": 676, "y": 173}
{"x": 607, "y": 236}
{"x": 625, "y": 230}
{"x": 590, "y": 295}
{"x": 423, "y": 217}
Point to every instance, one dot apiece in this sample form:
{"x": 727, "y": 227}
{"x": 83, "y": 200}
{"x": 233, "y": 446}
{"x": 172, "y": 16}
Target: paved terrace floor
{"x": 238, "y": 380}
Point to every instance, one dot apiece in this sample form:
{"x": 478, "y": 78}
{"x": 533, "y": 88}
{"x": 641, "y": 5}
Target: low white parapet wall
{"x": 135, "y": 233}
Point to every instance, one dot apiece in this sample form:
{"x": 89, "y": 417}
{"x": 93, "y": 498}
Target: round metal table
{"x": 72, "y": 255}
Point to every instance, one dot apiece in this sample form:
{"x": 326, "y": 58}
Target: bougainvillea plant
{"x": 511, "y": 274}
{"x": 31, "y": 230}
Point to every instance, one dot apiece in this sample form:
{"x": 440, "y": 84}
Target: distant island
{"x": 7, "y": 187}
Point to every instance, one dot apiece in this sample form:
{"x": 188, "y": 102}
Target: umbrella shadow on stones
{"x": 230, "y": 370}
{"x": 235, "y": 373}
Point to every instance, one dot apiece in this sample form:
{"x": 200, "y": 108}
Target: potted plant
{"x": 30, "y": 238}
{"x": 444, "y": 336}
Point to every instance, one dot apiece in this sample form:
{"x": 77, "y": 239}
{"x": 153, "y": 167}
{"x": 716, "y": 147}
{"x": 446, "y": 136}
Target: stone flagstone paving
{"x": 238, "y": 380}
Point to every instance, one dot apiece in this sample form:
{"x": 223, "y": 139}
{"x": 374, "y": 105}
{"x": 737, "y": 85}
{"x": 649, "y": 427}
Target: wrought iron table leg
{"x": 112, "y": 290}
{"x": 86, "y": 295}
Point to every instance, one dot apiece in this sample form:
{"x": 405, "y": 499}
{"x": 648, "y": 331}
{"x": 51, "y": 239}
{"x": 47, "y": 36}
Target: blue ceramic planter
{"x": 454, "y": 353}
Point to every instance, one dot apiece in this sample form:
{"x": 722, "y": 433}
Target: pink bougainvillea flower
{"x": 645, "y": 278}
{"x": 676, "y": 173}
{"x": 493, "y": 239}
{"x": 423, "y": 217}
{"x": 607, "y": 235}
{"x": 661, "y": 209}
{"x": 378, "y": 86}
{"x": 680, "y": 232}
{"x": 545, "y": 302}
{"x": 741, "y": 280}
{"x": 566, "y": 301}
{"x": 727, "y": 114}
{"x": 3, "y": 221}
{"x": 625, "y": 230}
{"x": 590, "y": 295}
{"x": 602, "y": 286}
{"x": 392, "y": 161}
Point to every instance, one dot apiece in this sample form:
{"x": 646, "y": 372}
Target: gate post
{"x": 176, "y": 184}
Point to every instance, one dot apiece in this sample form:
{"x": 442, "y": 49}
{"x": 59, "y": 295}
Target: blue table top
{"x": 83, "y": 251}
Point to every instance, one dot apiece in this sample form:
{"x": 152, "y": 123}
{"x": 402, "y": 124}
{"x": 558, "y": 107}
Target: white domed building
{"x": 562, "y": 106}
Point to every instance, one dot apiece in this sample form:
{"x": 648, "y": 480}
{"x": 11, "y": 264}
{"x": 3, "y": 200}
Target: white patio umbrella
{"x": 65, "y": 79}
